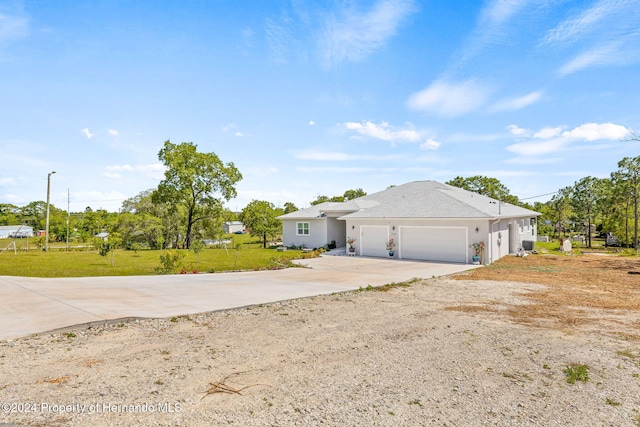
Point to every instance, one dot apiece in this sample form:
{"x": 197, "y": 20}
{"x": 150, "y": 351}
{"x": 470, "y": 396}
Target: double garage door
{"x": 448, "y": 244}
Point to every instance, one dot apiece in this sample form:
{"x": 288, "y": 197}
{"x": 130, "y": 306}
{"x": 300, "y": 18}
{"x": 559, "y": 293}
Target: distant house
{"x": 233, "y": 227}
{"x": 426, "y": 220}
{"x": 15, "y": 231}
{"x": 104, "y": 236}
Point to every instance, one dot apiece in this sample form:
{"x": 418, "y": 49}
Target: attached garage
{"x": 373, "y": 240}
{"x": 447, "y": 244}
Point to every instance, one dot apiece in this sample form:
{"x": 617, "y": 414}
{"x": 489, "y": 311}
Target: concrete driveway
{"x": 33, "y": 305}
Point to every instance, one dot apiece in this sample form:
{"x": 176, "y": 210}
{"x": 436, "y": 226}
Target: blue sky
{"x": 314, "y": 97}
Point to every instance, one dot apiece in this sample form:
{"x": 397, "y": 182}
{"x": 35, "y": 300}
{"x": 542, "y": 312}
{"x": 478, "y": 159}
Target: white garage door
{"x": 434, "y": 243}
{"x": 373, "y": 240}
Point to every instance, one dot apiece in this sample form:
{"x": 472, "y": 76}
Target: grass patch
{"x": 575, "y": 372}
{"x": 388, "y": 286}
{"x": 144, "y": 263}
{"x": 612, "y": 402}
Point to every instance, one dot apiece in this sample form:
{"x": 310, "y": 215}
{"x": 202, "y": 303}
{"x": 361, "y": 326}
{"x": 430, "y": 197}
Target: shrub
{"x": 169, "y": 262}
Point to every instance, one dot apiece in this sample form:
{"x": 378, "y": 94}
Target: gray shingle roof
{"x": 312, "y": 211}
{"x": 418, "y": 199}
{"x": 432, "y": 199}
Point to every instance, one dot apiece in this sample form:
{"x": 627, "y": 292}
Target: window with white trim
{"x": 302, "y": 229}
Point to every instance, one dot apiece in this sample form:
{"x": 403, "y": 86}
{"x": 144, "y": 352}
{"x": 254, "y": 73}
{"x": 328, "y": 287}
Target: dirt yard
{"x": 535, "y": 341}
{"x": 599, "y": 291}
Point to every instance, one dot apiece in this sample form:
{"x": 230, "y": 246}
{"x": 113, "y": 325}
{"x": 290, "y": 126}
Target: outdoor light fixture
{"x": 477, "y": 229}
{"x": 46, "y": 227}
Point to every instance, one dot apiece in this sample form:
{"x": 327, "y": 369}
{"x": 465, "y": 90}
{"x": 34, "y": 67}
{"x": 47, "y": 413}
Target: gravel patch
{"x": 408, "y": 356}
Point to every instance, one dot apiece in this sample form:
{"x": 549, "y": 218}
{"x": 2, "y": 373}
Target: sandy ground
{"x": 439, "y": 352}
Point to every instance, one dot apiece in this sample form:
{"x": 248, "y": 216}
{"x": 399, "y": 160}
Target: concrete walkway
{"x": 33, "y": 305}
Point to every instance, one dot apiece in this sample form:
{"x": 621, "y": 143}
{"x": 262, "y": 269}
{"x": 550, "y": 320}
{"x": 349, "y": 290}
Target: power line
{"x": 541, "y": 195}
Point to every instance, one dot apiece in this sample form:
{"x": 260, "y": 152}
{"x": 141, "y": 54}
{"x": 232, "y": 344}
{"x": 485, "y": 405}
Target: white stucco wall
{"x": 480, "y": 230}
{"x": 317, "y": 233}
{"x": 507, "y": 235}
{"x": 353, "y": 229}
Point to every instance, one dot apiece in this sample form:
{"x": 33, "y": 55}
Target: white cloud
{"x": 518, "y": 131}
{"x": 586, "y": 22}
{"x": 517, "y": 103}
{"x": 86, "y": 133}
{"x": 555, "y": 141}
{"x": 353, "y": 35}
{"x": 312, "y": 123}
{"x": 538, "y": 148}
{"x": 113, "y": 132}
{"x": 607, "y": 54}
{"x": 430, "y": 144}
{"x": 240, "y": 135}
{"x": 608, "y": 29}
{"x": 499, "y": 11}
{"x": 280, "y": 37}
{"x": 546, "y": 133}
{"x": 228, "y": 127}
{"x": 450, "y": 99}
{"x": 492, "y": 26}
{"x": 596, "y": 131}
{"x": 383, "y": 131}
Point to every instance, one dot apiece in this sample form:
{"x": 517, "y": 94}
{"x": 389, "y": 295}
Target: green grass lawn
{"x": 87, "y": 262}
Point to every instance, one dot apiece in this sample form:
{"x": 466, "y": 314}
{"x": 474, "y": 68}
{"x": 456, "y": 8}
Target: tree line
{"x": 187, "y": 205}
{"x": 591, "y": 205}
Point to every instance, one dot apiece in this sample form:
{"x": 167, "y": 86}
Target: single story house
{"x": 15, "y": 231}
{"x": 426, "y": 220}
{"x": 233, "y": 227}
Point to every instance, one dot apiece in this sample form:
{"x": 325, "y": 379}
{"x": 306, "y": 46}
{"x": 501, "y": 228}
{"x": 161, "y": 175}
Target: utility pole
{"x": 46, "y": 231}
{"x": 68, "y": 216}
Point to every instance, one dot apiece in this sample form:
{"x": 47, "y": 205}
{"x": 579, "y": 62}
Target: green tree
{"x": 259, "y": 217}
{"x": 113, "y": 241}
{"x": 34, "y": 214}
{"x": 348, "y": 195}
{"x": 289, "y": 207}
{"x": 9, "y": 214}
{"x": 545, "y": 220}
{"x": 94, "y": 222}
{"x": 627, "y": 178}
{"x": 490, "y": 187}
{"x": 560, "y": 205}
{"x": 142, "y": 229}
{"x": 169, "y": 216}
{"x": 322, "y": 199}
{"x": 354, "y": 194}
{"x": 585, "y": 198}
{"x": 194, "y": 181}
